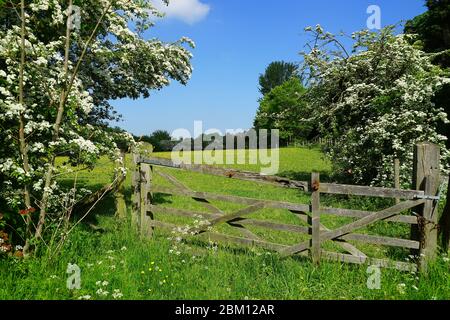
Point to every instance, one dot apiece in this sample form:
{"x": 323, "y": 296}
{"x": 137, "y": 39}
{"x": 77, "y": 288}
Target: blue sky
{"x": 236, "y": 40}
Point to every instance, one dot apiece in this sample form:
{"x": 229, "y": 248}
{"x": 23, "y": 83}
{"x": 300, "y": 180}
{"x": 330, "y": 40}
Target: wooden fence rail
{"x": 421, "y": 200}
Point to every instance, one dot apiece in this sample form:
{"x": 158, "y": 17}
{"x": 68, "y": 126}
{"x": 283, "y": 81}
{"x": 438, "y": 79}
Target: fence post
{"x": 315, "y": 213}
{"x": 397, "y": 177}
{"x": 136, "y": 184}
{"x": 426, "y": 177}
{"x": 121, "y": 206}
{"x": 146, "y": 178}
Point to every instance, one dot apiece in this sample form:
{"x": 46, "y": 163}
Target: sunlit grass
{"x": 145, "y": 268}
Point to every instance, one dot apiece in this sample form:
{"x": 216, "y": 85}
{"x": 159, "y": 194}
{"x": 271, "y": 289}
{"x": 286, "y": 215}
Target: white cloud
{"x": 189, "y": 11}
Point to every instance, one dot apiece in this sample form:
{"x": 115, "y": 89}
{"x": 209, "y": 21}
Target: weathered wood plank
{"x": 356, "y": 225}
{"x": 235, "y": 199}
{"x": 348, "y": 247}
{"x": 275, "y": 226}
{"x": 135, "y": 212}
{"x": 361, "y": 214}
{"x": 384, "y": 263}
{"x": 246, "y": 222}
{"x": 212, "y": 236}
{"x": 315, "y": 222}
{"x": 426, "y": 174}
{"x": 119, "y": 197}
{"x": 146, "y": 178}
{"x": 369, "y": 191}
{"x": 209, "y": 206}
{"x": 380, "y": 240}
{"x": 229, "y": 217}
{"x": 230, "y": 173}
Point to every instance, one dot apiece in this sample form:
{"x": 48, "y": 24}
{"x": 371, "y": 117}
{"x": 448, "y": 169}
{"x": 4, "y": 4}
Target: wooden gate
{"x": 420, "y": 205}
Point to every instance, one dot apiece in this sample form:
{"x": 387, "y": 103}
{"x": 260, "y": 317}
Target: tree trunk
{"x": 23, "y": 146}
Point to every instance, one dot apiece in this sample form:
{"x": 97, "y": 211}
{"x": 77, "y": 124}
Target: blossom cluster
{"x": 375, "y": 103}
{"x": 60, "y": 100}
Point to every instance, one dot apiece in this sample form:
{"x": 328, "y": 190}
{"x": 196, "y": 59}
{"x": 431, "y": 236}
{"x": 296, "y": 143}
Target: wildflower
{"x": 415, "y": 288}
{"x": 86, "y": 297}
{"x": 117, "y": 294}
{"x": 110, "y": 251}
{"x": 123, "y": 248}
{"x": 113, "y": 267}
{"x": 105, "y": 283}
{"x": 102, "y": 292}
{"x": 401, "y": 288}
{"x": 53, "y": 276}
{"x": 90, "y": 265}
{"x": 18, "y": 247}
{"x": 446, "y": 259}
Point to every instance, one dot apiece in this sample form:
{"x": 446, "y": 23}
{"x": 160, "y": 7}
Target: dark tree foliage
{"x": 276, "y": 74}
{"x": 433, "y": 31}
{"x": 161, "y": 141}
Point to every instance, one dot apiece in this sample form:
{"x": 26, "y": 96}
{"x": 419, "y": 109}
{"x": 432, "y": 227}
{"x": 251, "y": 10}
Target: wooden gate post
{"x": 146, "y": 228}
{"x": 136, "y": 184}
{"x": 121, "y": 206}
{"x": 426, "y": 177}
{"x": 315, "y": 212}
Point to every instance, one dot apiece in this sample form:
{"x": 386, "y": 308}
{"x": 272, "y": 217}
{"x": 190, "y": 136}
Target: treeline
{"x": 162, "y": 141}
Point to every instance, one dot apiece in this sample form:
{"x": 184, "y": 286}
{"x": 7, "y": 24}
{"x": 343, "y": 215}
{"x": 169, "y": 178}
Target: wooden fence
{"x": 419, "y": 205}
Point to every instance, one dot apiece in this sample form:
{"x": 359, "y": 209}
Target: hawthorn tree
{"x": 375, "y": 102}
{"x": 52, "y": 76}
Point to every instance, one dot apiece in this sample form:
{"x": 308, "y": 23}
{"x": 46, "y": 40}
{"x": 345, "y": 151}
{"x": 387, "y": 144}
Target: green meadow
{"x": 116, "y": 263}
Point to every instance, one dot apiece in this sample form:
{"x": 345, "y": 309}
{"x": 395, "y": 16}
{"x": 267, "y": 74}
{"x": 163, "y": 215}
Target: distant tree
{"x": 161, "y": 140}
{"x": 276, "y": 74}
{"x": 285, "y": 109}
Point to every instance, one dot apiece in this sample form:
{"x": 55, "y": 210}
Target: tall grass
{"x": 113, "y": 257}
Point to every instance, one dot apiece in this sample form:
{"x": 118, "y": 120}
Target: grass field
{"x": 115, "y": 258}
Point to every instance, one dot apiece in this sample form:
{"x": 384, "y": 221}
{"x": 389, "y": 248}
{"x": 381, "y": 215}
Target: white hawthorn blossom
{"x": 126, "y": 64}
{"x": 375, "y": 103}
